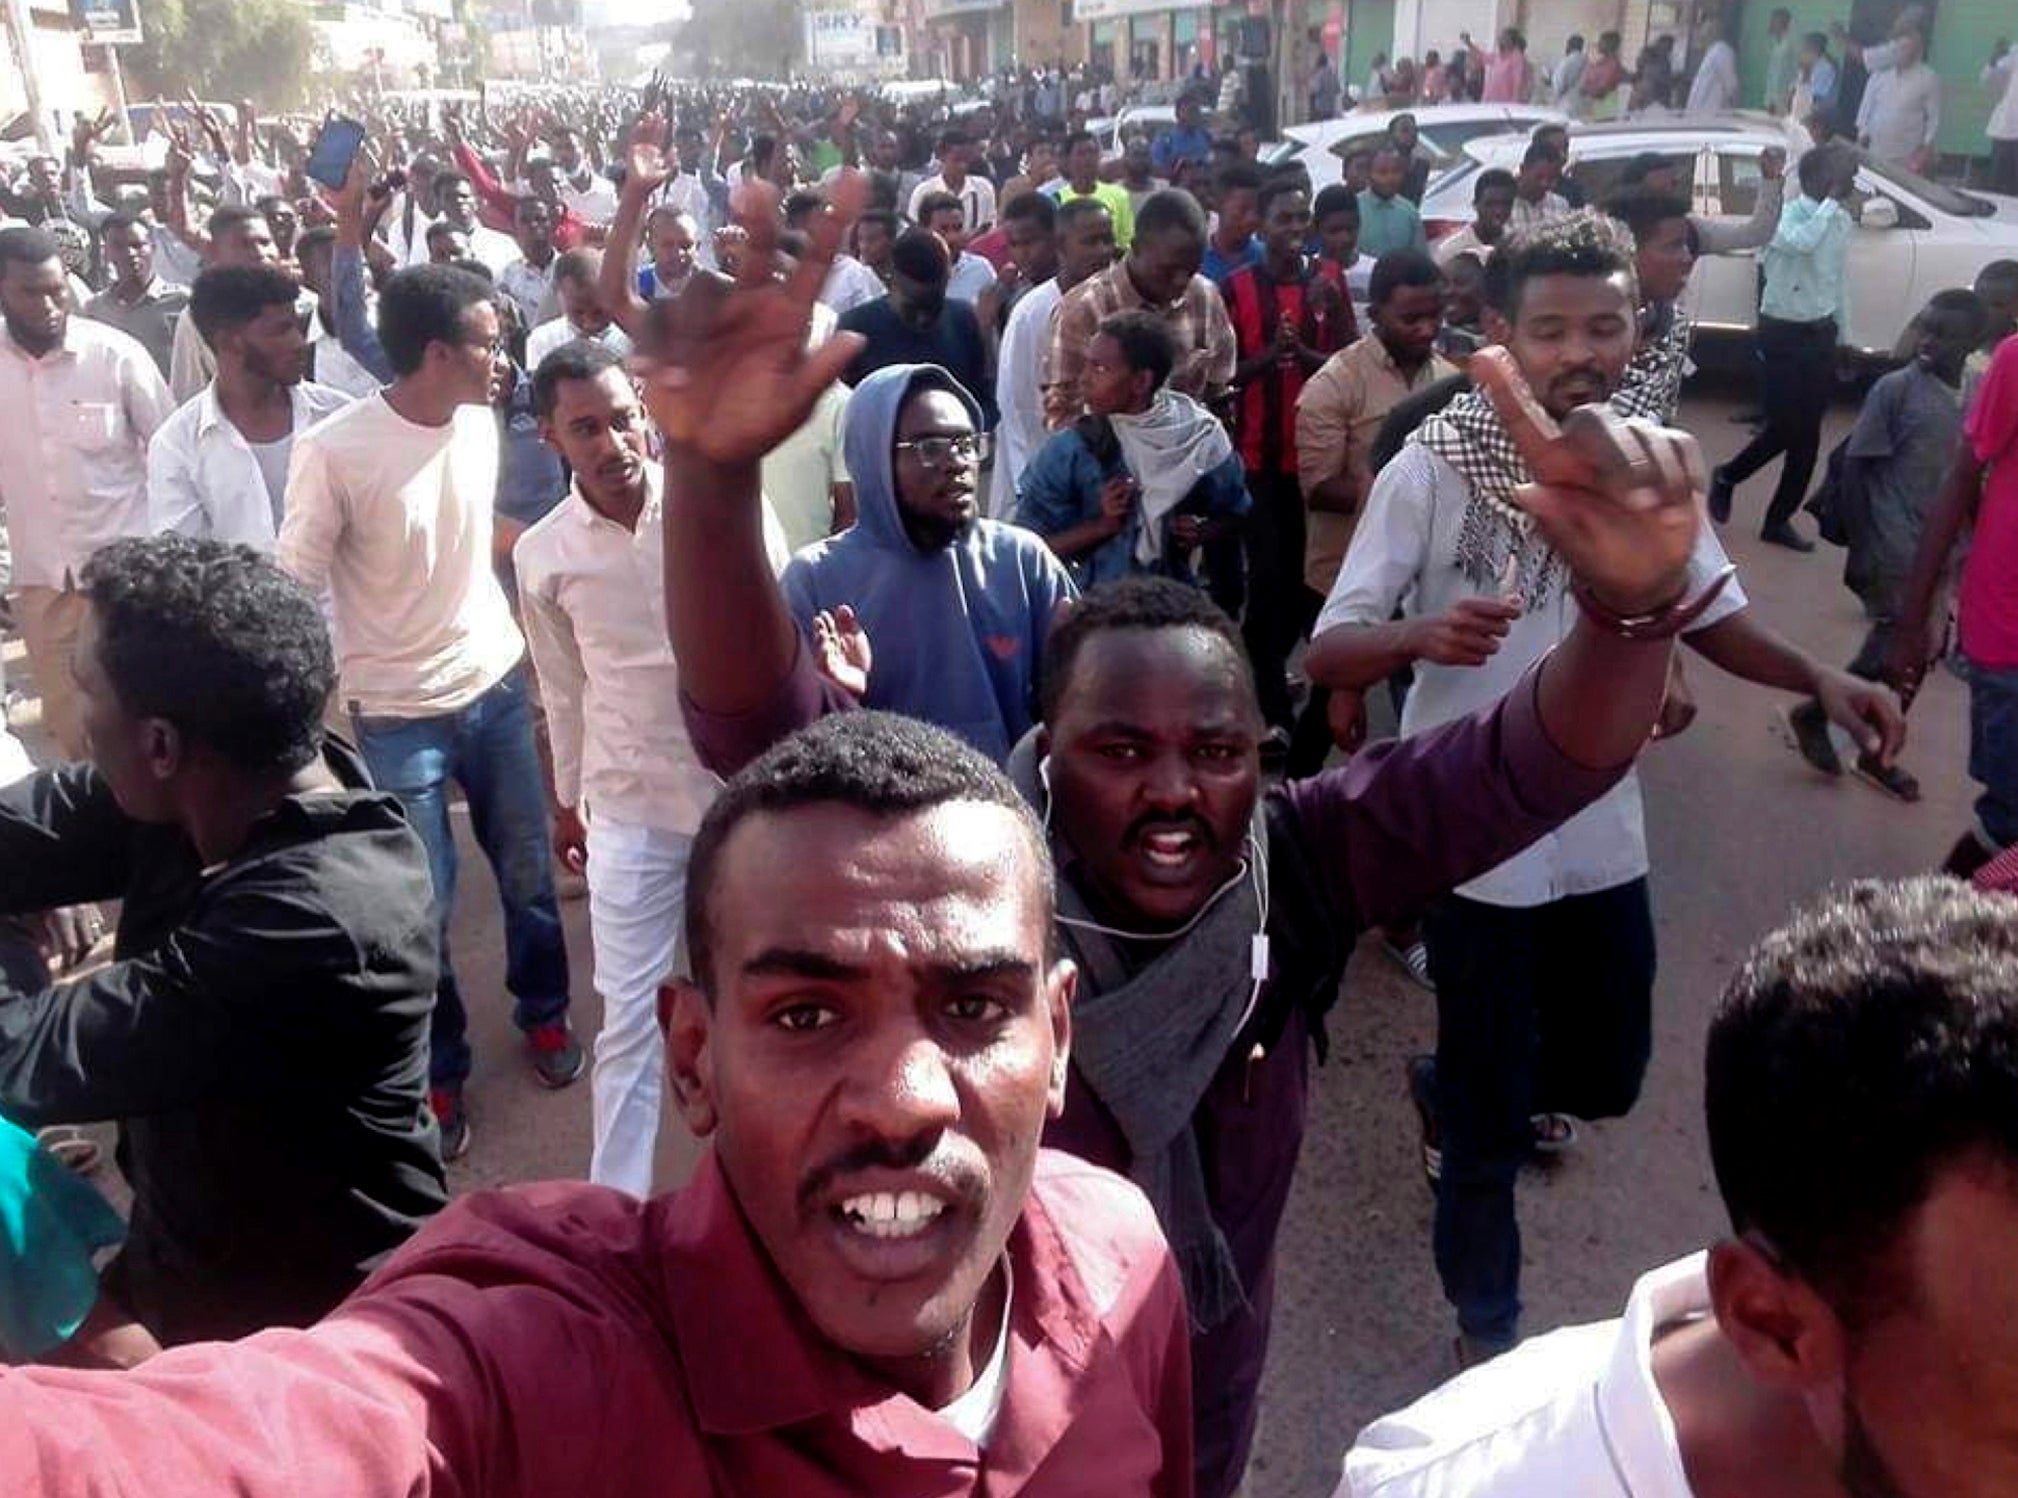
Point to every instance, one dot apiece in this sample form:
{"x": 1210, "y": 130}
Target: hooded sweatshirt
{"x": 958, "y": 632}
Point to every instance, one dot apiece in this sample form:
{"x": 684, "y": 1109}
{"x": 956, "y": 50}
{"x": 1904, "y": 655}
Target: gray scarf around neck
{"x": 1149, "y": 1042}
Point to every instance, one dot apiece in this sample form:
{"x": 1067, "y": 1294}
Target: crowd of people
{"x": 927, "y": 581}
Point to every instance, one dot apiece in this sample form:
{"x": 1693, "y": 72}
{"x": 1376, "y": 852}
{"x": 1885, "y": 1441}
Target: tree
{"x": 754, "y": 38}
{"x": 226, "y": 49}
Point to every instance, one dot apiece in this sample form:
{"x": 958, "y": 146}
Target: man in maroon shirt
{"x": 876, "y": 1283}
{"x": 1209, "y": 922}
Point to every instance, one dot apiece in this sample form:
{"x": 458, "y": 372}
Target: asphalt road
{"x": 1740, "y": 829}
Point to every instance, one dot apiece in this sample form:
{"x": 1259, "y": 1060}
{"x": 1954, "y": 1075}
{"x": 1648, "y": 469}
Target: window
{"x": 1599, "y": 175}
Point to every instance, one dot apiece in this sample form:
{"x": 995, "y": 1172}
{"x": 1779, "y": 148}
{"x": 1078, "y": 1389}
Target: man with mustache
{"x": 1543, "y": 966}
{"x": 876, "y": 1282}
{"x": 1209, "y": 922}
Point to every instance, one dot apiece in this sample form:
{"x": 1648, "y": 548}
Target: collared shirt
{"x": 1206, "y": 349}
{"x": 294, "y": 980}
{"x": 394, "y": 519}
{"x": 1575, "y": 1412}
{"x": 1404, "y": 555}
{"x": 204, "y": 480}
{"x": 976, "y": 195}
{"x": 592, "y": 597}
{"x": 1527, "y": 215}
{"x": 527, "y": 285}
{"x": 1388, "y": 224}
{"x": 1804, "y": 263}
{"x": 1019, "y": 392}
{"x": 1177, "y": 144}
{"x": 1337, "y": 417}
{"x": 660, "y": 1328}
{"x": 971, "y": 276}
{"x": 1822, "y": 80}
{"x": 1567, "y": 82}
{"x": 850, "y": 283}
{"x": 150, "y": 318}
{"x": 1901, "y": 111}
{"x": 191, "y": 364}
{"x": 559, "y": 333}
{"x": 73, "y": 447}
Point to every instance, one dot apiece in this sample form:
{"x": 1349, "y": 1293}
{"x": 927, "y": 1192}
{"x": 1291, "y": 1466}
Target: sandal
{"x": 1412, "y": 958}
{"x": 71, "y": 1149}
{"x": 1810, "y": 727}
{"x": 1422, "y": 1093}
{"x": 1555, "y": 1133}
{"x": 1890, "y": 779}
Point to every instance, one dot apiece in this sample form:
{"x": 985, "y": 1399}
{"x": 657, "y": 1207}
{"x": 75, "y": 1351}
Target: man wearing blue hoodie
{"x": 958, "y": 606}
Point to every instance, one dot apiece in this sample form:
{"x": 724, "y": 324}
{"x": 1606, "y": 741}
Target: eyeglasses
{"x": 941, "y": 452}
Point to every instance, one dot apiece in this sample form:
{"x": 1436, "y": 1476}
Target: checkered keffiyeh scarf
{"x": 1652, "y": 387}
{"x": 1498, "y": 547}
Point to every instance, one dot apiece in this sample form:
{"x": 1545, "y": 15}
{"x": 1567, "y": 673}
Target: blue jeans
{"x": 486, "y": 748}
{"x": 1993, "y": 751}
{"x": 1546, "y": 1008}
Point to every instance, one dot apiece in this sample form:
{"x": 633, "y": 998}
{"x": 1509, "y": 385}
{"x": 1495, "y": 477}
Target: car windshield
{"x": 1934, "y": 194}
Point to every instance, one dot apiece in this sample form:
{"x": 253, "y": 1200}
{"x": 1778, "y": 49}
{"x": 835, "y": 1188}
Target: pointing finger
{"x": 1533, "y": 430}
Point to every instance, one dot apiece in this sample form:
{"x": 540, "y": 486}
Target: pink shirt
{"x": 1506, "y": 78}
{"x": 565, "y": 1339}
{"x": 1990, "y": 576}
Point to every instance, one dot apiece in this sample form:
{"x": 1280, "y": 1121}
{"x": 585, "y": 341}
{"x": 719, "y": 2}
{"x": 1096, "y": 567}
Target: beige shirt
{"x": 1464, "y": 242}
{"x": 800, "y": 473}
{"x": 73, "y": 447}
{"x": 394, "y": 520}
{"x": 1207, "y": 351}
{"x": 592, "y": 594}
{"x": 1337, "y": 417}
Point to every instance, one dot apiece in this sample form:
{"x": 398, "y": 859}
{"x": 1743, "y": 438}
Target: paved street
{"x": 1740, "y": 828}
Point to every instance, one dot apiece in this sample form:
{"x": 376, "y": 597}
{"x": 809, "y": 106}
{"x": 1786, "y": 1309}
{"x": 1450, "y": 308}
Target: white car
{"x": 1913, "y": 237}
{"x": 1112, "y": 132}
{"x": 1444, "y": 130}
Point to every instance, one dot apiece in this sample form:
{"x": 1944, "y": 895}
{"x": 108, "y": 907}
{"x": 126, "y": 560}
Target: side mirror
{"x": 1879, "y": 212}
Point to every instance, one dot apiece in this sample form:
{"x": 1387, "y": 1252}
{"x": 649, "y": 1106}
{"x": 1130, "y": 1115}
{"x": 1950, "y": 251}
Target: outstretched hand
{"x": 1620, "y": 501}
{"x": 841, "y": 650}
{"x": 727, "y": 374}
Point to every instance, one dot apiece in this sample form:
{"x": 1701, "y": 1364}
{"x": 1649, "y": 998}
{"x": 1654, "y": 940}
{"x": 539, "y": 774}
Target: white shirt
{"x": 1901, "y": 111}
{"x": 971, "y": 276}
{"x": 1576, "y": 1413}
{"x": 73, "y": 447}
{"x": 559, "y": 332}
{"x": 527, "y": 285}
{"x": 688, "y": 193}
{"x": 592, "y": 198}
{"x": 203, "y": 478}
{"x": 331, "y": 364}
{"x": 850, "y": 283}
{"x": 2003, "y": 75}
{"x": 1403, "y": 554}
{"x": 1716, "y": 83}
{"x": 799, "y": 474}
{"x": 1527, "y": 215}
{"x": 394, "y": 520}
{"x": 974, "y": 1413}
{"x": 14, "y": 761}
{"x": 495, "y": 250}
{"x": 1566, "y": 85}
{"x": 1019, "y": 393}
{"x": 976, "y": 195}
{"x": 592, "y": 594}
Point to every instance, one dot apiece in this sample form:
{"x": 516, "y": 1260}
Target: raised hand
{"x": 731, "y": 377}
{"x": 1620, "y": 501}
{"x": 648, "y": 167}
{"x": 841, "y": 650}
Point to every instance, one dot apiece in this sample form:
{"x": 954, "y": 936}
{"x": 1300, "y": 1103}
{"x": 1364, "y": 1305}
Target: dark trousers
{"x": 1275, "y": 618}
{"x": 2004, "y": 166}
{"x": 1546, "y": 1008}
{"x": 1797, "y": 377}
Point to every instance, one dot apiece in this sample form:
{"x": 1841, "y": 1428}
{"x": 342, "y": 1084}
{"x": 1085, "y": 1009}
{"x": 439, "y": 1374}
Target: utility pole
{"x": 20, "y": 31}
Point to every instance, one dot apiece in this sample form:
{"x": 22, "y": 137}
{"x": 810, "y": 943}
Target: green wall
{"x": 1369, "y": 30}
{"x": 1964, "y": 32}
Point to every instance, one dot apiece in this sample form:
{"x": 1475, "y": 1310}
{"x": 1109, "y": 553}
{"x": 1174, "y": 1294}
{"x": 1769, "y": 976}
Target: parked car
{"x": 1914, "y": 237}
{"x": 1443, "y": 129}
{"x": 1112, "y": 131}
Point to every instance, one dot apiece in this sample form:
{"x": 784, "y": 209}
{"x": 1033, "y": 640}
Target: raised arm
{"x": 732, "y": 379}
{"x": 648, "y": 171}
{"x": 1727, "y": 234}
{"x": 354, "y": 331}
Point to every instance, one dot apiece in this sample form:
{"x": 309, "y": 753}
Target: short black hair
{"x": 22, "y": 246}
{"x": 1399, "y": 268}
{"x": 578, "y": 266}
{"x": 1492, "y": 179}
{"x": 319, "y": 240}
{"x": 1585, "y": 243}
{"x": 1145, "y": 342}
{"x": 920, "y": 255}
{"x": 1033, "y": 207}
{"x": 1334, "y": 200}
{"x": 802, "y": 205}
{"x": 425, "y": 304}
{"x": 1820, "y": 167}
{"x": 1069, "y": 215}
{"x": 442, "y": 227}
{"x": 267, "y": 201}
{"x": 577, "y": 359}
{"x": 1237, "y": 176}
{"x": 939, "y": 202}
{"x": 1275, "y": 187}
{"x": 1140, "y": 602}
{"x": 882, "y": 764}
{"x": 1538, "y": 153}
{"x": 1973, "y": 311}
{"x": 227, "y": 297}
{"x": 1642, "y": 209}
{"x": 2004, "y": 272}
{"x": 1170, "y": 210}
{"x": 1862, "y": 1048}
{"x": 229, "y": 216}
{"x": 121, "y": 220}
{"x": 444, "y": 180}
{"x": 216, "y": 639}
{"x": 1075, "y": 137}
{"x": 883, "y": 218}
